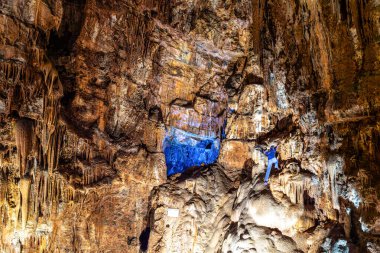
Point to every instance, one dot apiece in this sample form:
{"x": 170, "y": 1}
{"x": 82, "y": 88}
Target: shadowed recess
{"x": 144, "y": 239}
{"x": 184, "y": 150}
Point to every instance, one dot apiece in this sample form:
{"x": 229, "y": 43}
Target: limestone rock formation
{"x": 136, "y": 126}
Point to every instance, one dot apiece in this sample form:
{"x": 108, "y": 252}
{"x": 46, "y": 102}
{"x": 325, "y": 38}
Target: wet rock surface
{"x": 103, "y": 102}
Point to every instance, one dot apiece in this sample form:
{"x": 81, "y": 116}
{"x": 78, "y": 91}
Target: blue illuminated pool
{"x": 184, "y": 150}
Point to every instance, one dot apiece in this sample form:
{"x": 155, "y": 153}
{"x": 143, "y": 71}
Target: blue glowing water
{"x": 184, "y": 150}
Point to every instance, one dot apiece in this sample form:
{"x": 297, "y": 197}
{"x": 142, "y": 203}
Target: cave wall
{"x": 102, "y": 102}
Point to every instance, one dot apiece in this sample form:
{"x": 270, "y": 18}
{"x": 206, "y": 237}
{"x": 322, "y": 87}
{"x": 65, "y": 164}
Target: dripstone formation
{"x": 136, "y": 126}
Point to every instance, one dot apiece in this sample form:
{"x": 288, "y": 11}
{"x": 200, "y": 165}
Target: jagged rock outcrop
{"x": 103, "y": 102}
{"x": 203, "y": 203}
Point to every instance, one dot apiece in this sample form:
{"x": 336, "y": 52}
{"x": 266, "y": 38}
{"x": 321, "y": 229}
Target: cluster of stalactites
{"x": 28, "y": 206}
{"x": 87, "y": 152}
{"x": 38, "y": 195}
{"x": 48, "y": 191}
{"x": 50, "y": 140}
{"x": 93, "y": 163}
{"x": 15, "y": 73}
{"x": 297, "y": 187}
{"x": 95, "y": 171}
{"x": 38, "y": 140}
{"x": 38, "y": 72}
{"x": 37, "y": 242}
{"x": 92, "y": 175}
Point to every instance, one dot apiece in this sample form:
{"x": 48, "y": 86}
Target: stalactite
{"x": 47, "y": 192}
{"x": 3, "y": 191}
{"x": 334, "y": 168}
{"x": 51, "y": 78}
{"x": 92, "y": 175}
{"x": 109, "y": 156}
{"x": 52, "y": 133}
{"x": 54, "y": 147}
{"x": 36, "y": 243}
{"x": 24, "y": 141}
{"x": 17, "y": 73}
{"x": 69, "y": 194}
{"x": 50, "y": 113}
{"x": 87, "y": 152}
{"x": 37, "y": 56}
{"x": 294, "y": 186}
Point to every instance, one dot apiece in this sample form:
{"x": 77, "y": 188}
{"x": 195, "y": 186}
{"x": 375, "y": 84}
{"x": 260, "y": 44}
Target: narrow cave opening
{"x": 155, "y": 114}
{"x": 144, "y": 239}
{"x": 61, "y": 42}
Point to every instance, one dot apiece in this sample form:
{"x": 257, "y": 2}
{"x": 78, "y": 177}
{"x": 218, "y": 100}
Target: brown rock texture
{"x": 90, "y": 90}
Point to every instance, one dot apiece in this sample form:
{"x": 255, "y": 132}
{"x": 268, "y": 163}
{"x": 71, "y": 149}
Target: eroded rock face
{"x": 102, "y": 101}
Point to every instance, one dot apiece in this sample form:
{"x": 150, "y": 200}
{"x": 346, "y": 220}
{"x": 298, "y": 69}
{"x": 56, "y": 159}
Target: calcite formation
{"x": 136, "y": 126}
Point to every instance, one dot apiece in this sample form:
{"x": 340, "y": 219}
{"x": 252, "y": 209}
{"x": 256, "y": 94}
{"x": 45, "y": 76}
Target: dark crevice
{"x": 61, "y": 42}
{"x": 144, "y": 239}
{"x": 182, "y": 103}
{"x": 155, "y": 114}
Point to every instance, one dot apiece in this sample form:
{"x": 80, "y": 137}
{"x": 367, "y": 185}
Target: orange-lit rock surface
{"x": 90, "y": 89}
